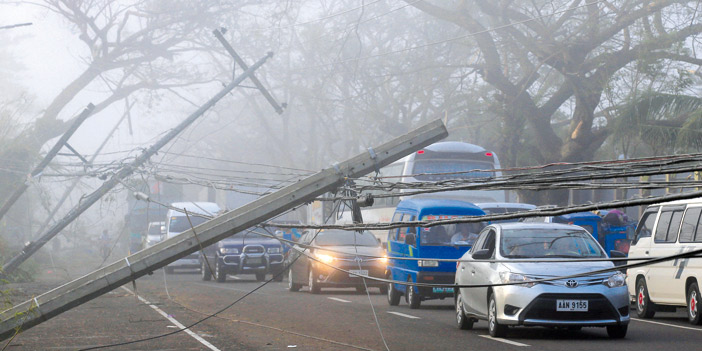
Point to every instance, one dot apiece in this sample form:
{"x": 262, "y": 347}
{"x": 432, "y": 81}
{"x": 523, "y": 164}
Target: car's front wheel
{"x": 292, "y": 286}
{"x": 462, "y": 321}
{"x": 205, "y": 270}
{"x": 693, "y": 307}
{"x": 393, "y": 295}
{"x": 644, "y": 307}
{"x": 617, "y": 331}
{"x": 413, "y": 298}
{"x": 312, "y": 282}
{"x": 496, "y": 329}
{"x": 219, "y": 273}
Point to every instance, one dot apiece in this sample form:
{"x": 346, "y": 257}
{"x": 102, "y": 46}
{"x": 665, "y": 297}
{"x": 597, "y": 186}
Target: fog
{"x": 351, "y": 75}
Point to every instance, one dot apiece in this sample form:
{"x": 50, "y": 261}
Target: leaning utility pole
{"x": 124, "y": 172}
{"x": 45, "y": 162}
{"x": 92, "y": 285}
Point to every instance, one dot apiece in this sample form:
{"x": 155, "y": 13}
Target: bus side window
{"x": 690, "y": 224}
{"x": 403, "y": 231}
{"x": 698, "y": 232}
{"x": 643, "y": 230}
{"x": 674, "y": 228}
{"x": 392, "y": 233}
{"x": 662, "y": 228}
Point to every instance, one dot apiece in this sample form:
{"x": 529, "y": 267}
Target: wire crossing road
{"x": 273, "y": 318}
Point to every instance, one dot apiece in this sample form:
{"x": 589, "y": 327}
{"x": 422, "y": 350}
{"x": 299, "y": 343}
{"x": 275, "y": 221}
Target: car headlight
{"x": 228, "y": 250}
{"x": 616, "y": 280}
{"x": 325, "y": 258}
{"x": 383, "y": 260}
{"x": 509, "y": 277}
{"x": 275, "y": 250}
{"x": 428, "y": 263}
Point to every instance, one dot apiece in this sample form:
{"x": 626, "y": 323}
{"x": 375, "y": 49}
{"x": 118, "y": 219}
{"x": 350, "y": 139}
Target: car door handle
{"x": 646, "y": 252}
{"x": 472, "y": 271}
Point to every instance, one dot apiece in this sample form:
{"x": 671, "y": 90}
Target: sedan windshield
{"x": 548, "y": 243}
{"x": 345, "y": 238}
{"x": 180, "y": 224}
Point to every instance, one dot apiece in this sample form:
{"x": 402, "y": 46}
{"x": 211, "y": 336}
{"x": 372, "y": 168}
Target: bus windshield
{"x": 461, "y": 234}
{"x": 433, "y": 169}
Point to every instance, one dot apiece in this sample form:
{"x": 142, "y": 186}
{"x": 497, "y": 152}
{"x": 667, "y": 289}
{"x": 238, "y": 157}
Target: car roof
{"x": 505, "y": 205}
{"x": 697, "y": 200}
{"x": 440, "y": 204}
{"x": 536, "y": 225}
{"x": 197, "y": 207}
{"x": 575, "y": 215}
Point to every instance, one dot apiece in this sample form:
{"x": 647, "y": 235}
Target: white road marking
{"x": 504, "y": 340}
{"x": 666, "y": 324}
{"x": 234, "y": 277}
{"x": 338, "y": 299}
{"x": 174, "y": 321}
{"x": 404, "y": 315}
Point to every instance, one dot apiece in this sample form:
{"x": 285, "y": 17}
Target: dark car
{"x": 243, "y": 253}
{"x": 337, "y": 248}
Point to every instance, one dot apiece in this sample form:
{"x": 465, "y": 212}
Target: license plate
{"x": 442, "y": 290}
{"x": 254, "y": 260}
{"x": 571, "y": 305}
{"x": 357, "y": 272}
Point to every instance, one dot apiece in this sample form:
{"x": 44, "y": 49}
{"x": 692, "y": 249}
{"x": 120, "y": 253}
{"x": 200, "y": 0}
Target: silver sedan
{"x": 599, "y": 300}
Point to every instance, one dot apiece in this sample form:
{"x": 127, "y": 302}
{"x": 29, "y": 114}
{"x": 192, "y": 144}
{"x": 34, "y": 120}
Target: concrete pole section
{"x": 47, "y": 159}
{"x": 92, "y": 285}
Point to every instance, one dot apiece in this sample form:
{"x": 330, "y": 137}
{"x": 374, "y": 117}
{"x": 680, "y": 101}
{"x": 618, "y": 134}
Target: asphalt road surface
{"x": 273, "y": 318}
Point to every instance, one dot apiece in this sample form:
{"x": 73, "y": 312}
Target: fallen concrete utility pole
{"x": 45, "y": 162}
{"x": 92, "y": 285}
{"x": 124, "y": 172}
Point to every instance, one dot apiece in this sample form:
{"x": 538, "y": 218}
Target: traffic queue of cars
{"x": 506, "y": 273}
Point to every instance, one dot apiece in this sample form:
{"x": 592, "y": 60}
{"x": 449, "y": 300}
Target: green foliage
{"x": 664, "y": 122}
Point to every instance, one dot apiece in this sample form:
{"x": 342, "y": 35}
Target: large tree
{"x": 551, "y": 61}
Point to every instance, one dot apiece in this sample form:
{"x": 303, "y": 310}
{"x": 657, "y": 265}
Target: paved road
{"x": 274, "y": 319}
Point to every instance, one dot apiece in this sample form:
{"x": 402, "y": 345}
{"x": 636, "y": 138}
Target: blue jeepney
{"x": 610, "y": 237}
{"x": 427, "y": 244}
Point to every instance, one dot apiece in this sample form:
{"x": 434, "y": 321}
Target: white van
{"x": 663, "y": 230}
{"x": 177, "y": 222}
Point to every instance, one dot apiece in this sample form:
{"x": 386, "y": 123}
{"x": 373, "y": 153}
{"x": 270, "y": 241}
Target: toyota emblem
{"x": 571, "y": 283}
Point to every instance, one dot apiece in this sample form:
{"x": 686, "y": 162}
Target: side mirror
{"x": 617, "y": 254}
{"x": 384, "y": 246}
{"x": 483, "y": 254}
{"x": 410, "y": 239}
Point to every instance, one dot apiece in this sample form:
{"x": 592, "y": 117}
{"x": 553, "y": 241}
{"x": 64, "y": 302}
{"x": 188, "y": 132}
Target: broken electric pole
{"x": 92, "y": 285}
{"x": 45, "y": 162}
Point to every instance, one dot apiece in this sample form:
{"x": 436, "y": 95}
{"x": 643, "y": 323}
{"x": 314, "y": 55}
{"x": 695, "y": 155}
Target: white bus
{"x": 436, "y": 162}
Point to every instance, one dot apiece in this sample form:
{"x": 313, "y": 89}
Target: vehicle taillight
{"x": 420, "y": 152}
{"x": 488, "y": 154}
